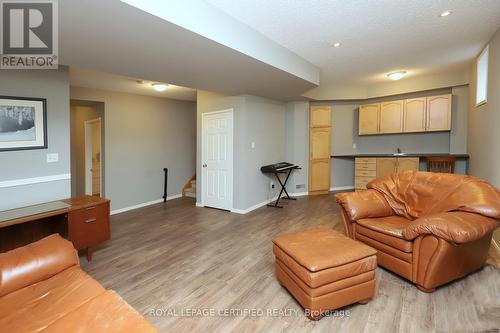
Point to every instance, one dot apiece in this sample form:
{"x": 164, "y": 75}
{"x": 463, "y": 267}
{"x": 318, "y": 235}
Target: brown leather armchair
{"x": 429, "y": 228}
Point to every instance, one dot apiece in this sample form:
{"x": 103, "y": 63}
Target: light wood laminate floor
{"x": 175, "y": 257}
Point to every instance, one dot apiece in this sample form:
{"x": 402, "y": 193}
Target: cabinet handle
{"x": 90, "y": 220}
{"x": 90, "y": 208}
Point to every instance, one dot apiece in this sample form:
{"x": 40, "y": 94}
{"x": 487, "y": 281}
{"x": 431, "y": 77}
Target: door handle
{"x": 205, "y": 165}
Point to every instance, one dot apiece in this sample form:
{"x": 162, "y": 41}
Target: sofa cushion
{"x": 35, "y": 262}
{"x": 391, "y": 225}
{"x": 103, "y": 314}
{"x": 322, "y": 248}
{"x": 34, "y": 307}
{"x": 395, "y": 242}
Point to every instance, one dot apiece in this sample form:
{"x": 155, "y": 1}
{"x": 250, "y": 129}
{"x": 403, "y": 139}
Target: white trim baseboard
{"x": 199, "y": 204}
{"x": 254, "y": 207}
{"x": 144, "y": 204}
{"x": 341, "y": 188}
{"x": 34, "y": 180}
{"x": 299, "y": 194}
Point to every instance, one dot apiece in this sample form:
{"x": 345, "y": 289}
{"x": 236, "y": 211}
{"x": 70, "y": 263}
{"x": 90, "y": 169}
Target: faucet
{"x": 398, "y": 151}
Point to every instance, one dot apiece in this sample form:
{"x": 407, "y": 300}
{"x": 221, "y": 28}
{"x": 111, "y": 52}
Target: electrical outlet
{"x": 271, "y": 185}
{"x": 52, "y": 158}
{"x": 354, "y": 146}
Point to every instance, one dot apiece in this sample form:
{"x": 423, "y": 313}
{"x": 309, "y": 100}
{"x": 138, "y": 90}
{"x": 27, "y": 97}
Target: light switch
{"x": 253, "y": 144}
{"x": 354, "y": 146}
{"x": 52, "y": 158}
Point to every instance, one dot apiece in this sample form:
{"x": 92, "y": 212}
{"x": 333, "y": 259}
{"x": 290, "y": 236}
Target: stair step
{"x": 189, "y": 193}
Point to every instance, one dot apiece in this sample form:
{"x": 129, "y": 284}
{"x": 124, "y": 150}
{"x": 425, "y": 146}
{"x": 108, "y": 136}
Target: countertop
{"x": 466, "y": 156}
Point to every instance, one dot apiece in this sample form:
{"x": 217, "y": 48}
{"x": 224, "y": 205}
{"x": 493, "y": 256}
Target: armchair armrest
{"x": 35, "y": 262}
{"x": 364, "y": 204}
{"x": 456, "y": 227}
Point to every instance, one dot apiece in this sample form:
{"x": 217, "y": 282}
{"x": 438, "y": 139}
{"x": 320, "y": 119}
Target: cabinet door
{"x": 369, "y": 119}
{"x": 439, "y": 113}
{"x": 414, "y": 115}
{"x": 319, "y": 176}
{"x": 321, "y": 116}
{"x": 386, "y": 166}
{"x": 391, "y": 117}
{"x": 408, "y": 163}
{"x": 320, "y": 143}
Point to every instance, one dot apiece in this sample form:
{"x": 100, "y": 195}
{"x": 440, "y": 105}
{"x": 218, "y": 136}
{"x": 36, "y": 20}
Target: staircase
{"x": 189, "y": 189}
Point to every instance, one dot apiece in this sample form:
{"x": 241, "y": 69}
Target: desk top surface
{"x": 48, "y": 209}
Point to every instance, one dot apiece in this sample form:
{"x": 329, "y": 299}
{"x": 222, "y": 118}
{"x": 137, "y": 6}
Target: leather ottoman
{"x": 325, "y": 270}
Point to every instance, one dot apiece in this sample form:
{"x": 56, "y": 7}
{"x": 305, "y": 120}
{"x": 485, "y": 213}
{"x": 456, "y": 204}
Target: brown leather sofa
{"x": 43, "y": 289}
{"x": 429, "y": 228}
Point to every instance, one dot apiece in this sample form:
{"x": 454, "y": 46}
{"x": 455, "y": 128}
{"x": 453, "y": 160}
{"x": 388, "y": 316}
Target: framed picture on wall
{"x": 23, "y": 123}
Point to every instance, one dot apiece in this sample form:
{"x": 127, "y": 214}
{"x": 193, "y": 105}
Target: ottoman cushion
{"x": 325, "y": 270}
{"x": 322, "y": 248}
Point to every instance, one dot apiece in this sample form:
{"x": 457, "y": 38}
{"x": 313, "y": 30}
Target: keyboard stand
{"x": 283, "y": 188}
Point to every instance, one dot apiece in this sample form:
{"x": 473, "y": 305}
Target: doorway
{"x": 93, "y": 157}
{"x": 87, "y": 148}
{"x": 217, "y": 159}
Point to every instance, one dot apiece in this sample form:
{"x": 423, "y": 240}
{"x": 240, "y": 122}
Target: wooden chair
{"x": 443, "y": 164}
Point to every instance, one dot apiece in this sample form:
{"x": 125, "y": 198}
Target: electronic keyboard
{"x": 278, "y": 167}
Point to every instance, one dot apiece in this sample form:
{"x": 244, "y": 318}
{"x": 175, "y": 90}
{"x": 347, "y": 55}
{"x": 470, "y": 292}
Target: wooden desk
{"x": 83, "y": 220}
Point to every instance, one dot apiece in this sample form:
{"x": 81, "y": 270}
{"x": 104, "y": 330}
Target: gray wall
{"x": 256, "y": 119}
{"x": 144, "y": 135}
{"x": 54, "y": 86}
{"x": 484, "y": 136}
{"x": 297, "y": 145}
{"x": 263, "y": 123}
{"x": 345, "y": 134}
{"x": 82, "y": 111}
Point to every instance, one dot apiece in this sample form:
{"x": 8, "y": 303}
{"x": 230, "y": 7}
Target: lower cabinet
{"x": 368, "y": 168}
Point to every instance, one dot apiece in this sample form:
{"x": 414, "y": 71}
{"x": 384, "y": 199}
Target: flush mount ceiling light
{"x": 445, "y": 13}
{"x": 396, "y": 75}
{"x": 336, "y": 44}
{"x": 160, "y": 86}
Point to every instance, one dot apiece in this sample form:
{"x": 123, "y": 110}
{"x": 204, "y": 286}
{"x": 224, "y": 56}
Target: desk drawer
{"x": 365, "y": 160}
{"x": 365, "y": 166}
{"x": 89, "y": 226}
{"x": 360, "y": 182}
{"x": 365, "y": 173}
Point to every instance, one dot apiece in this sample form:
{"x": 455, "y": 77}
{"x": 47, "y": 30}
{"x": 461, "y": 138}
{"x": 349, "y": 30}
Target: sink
{"x": 399, "y": 154}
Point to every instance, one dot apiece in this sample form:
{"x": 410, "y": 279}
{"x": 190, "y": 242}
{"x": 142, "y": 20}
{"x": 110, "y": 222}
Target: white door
{"x": 217, "y": 159}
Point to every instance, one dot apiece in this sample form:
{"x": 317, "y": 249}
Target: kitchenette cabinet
{"x": 423, "y": 114}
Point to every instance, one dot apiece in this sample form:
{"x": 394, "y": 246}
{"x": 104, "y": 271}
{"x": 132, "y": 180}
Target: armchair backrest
{"x": 414, "y": 194}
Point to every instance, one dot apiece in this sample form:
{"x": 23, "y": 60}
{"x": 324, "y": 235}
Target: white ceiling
{"x": 376, "y": 37}
{"x": 113, "y": 37}
{"x": 105, "y": 81}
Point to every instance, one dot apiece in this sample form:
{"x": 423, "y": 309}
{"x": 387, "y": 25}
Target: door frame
{"x": 86, "y": 124}
{"x": 203, "y": 152}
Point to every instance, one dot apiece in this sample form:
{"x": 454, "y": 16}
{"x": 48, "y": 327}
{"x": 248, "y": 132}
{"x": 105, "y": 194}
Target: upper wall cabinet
{"x": 424, "y": 114}
{"x": 321, "y": 117}
{"x": 439, "y": 113}
{"x": 369, "y": 119}
{"x": 414, "y": 115}
{"x": 391, "y": 117}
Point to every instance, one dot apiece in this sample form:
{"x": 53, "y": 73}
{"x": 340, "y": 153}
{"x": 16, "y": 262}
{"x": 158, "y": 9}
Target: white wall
{"x": 18, "y": 165}
{"x": 143, "y": 135}
{"x": 297, "y": 145}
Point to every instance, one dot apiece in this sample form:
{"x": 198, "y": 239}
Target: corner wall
{"x": 483, "y": 133}
{"x": 26, "y": 165}
{"x": 256, "y": 119}
{"x": 143, "y": 135}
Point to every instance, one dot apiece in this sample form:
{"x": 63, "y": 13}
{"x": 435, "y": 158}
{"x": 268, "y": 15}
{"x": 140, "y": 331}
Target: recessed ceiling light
{"x": 445, "y": 13}
{"x": 336, "y": 45}
{"x": 396, "y": 75}
{"x": 160, "y": 86}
